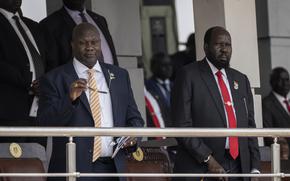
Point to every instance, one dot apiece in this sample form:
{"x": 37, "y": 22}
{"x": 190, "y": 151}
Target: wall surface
{"x": 34, "y": 9}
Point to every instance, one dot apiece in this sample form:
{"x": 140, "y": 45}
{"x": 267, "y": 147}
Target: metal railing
{"x": 72, "y": 173}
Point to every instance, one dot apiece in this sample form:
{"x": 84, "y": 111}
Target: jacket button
{"x": 90, "y": 151}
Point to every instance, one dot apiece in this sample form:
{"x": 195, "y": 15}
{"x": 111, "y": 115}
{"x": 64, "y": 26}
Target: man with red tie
{"x": 210, "y": 94}
{"x": 276, "y": 108}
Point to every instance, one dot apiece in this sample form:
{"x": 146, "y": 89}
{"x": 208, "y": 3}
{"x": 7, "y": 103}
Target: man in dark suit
{"x": 276, "y": 109}
{"x": 187, "y": 56}
{"x": 22, "y": 62}
{"x": 210, "y": 94}
{"x": 159, "y": 85}
{"x": 67, "y": 100}
{"x": 60, "y": 24}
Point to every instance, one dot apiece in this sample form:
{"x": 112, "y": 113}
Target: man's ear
{"x": 72, "y": 44}
{"x": 205, "y": 47}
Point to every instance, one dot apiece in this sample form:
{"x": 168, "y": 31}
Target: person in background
{"x": 181, "y": 58}
{"x": 23, "y": 60}
{"x": 210, "y": 94}
{"x": 159, "y": 85}
{"x": 276, "y": 108}
{"x": 60, "y": 24}
{"x": 88, "y": 93}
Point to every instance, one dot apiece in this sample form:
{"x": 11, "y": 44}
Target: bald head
{"x": 82, "y": 29}
{"x": 86, "y": 44}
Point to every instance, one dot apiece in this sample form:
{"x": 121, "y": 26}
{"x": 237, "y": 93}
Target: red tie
{"x": 234, "y": 145}
{"x": 287, "y": 104}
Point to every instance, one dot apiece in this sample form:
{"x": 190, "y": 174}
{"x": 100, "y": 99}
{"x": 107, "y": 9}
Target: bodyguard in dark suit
{"x": 276, "y": 109}
{"x": 66, "y": 100}
{"x": 22, "y": 62}
{"x": 60, "y": 24}
{"x": 204, "y": 98}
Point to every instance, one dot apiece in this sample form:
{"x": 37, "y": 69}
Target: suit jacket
{"x": 274, "y": 116}
{"x": 59, "y": 25}
{"x": 197, "y": 103}
{"x": 15, "y": 74}
{"x": 154, "y": 89}
{"x": 56, "y": 109}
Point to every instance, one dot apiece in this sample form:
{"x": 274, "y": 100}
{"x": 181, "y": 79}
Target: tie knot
{"x": 82, "y": 14}
{"x": 286, "y": 101}
{"x": 219, "y": 74}
{"x": 84, "y": 19}
{"x": 16, "y": 18}
{"x": 91, "y": 72}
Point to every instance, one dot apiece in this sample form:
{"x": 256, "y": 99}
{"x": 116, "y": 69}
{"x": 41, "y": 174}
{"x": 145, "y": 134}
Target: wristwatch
{"x": 207, "y": 159}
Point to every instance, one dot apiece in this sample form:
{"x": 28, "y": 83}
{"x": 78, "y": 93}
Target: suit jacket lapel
{"x": 210, "y": 81}
{"x": 100, "y": 25}
{"x": 71, "y": 76}
{"x": 278, "y": 106}
{"x": 67, "y": 18}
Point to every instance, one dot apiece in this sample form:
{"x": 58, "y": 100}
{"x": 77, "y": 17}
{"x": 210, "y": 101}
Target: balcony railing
{"x": 72, "y": 173}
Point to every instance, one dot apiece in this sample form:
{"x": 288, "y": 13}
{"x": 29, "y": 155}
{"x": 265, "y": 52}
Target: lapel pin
{"x": 236, "y": 85}
{"x": 111, "y": 77}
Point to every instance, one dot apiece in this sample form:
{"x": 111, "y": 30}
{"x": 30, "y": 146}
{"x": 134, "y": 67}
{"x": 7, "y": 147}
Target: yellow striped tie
{"x": 96, "y": 111}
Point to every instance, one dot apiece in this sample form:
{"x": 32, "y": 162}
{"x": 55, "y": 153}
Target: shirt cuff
{"x": 255, "y": 171}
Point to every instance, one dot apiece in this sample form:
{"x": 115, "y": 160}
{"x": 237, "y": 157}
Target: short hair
{"x": 208, "y": 33}
{"x": 80, "y": 29}
{"x": 275, "y": 75}
{"x": 190, "y": 40}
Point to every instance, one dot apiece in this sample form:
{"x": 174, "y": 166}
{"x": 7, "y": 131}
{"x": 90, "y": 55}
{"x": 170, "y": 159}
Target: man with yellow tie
{"x": 88, "y": 93}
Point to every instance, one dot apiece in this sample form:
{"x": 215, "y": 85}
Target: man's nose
{"x": 89, "y": 46}
{"x": 224, "y": 48}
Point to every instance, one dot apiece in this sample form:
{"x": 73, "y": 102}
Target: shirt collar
{"x": 82, "y": 69}
{"x": 280, "y": 98}
{"x": 214, "y": 70}
{"x": 8, "y": 14}
{"x": 166, "y": 81}
{"x": 74, "y": 13}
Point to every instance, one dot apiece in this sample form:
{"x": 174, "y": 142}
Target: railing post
{"x": 71, "y": 159}
{"x": 275, "y": 159}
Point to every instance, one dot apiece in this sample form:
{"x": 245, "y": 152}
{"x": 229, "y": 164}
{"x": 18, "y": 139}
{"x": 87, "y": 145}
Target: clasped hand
{"x": 214, "y": 167}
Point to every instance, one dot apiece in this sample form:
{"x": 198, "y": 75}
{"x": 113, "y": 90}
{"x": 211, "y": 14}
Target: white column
{"x": 34, "y": 9}
{"x": 123, "y": 19}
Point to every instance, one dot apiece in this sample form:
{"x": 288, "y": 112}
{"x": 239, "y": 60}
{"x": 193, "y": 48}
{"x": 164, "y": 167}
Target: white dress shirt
{"x": 106, "y": 51}
{"x": 105, "y": 102}
{"x": 166, "y": 82}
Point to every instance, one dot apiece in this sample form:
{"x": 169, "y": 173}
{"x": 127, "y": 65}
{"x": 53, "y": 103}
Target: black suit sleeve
{"x": 268, "y": 121}
{"x": 183, "y": 117}
{"x": 253, "y": 141}
{"x": 55, "y": 106}
{"x": 12, "y": 76}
